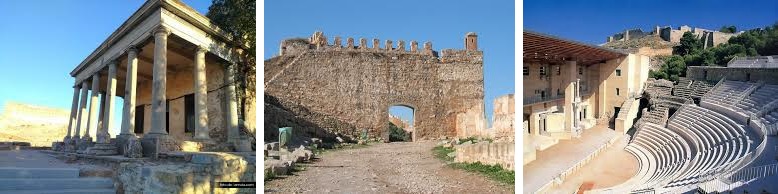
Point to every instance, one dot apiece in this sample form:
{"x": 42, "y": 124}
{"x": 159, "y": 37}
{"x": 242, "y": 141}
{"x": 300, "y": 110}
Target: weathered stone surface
{"x": 244, "y": 145}
{"x": 133, "y": 148}
{"x": 188, "y": 177}
{"x": 358, "y": 87}
{"x": 340, "y": 140}
{"x": 277, "y": 167}
{"x": 103, "y": 149}
{"x": 500, "y": 153}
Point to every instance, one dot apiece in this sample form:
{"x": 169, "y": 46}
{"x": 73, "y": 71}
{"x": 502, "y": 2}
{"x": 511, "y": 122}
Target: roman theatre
{"x": 594, "y": 122}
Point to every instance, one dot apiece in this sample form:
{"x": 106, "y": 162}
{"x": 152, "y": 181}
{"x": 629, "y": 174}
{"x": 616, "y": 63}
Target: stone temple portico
{"x": 173, "y": 70}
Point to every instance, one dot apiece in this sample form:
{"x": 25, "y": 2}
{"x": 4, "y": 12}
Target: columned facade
{"x": 176, "y": 81}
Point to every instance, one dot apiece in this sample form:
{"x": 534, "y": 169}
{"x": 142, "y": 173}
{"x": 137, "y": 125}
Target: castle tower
{"x": 471, "y": 41}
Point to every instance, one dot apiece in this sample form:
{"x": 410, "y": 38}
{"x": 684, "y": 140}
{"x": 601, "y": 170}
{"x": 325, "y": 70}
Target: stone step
{"x": 55, "y": 184}
{"x": 62, "y": 191}
{"x": 11, "y": 172}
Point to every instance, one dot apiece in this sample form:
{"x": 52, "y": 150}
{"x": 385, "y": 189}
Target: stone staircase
{"x": 51, "y": 180}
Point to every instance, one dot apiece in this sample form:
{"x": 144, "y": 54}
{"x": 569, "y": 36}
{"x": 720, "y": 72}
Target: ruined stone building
{"x": 334, "y": 88}
{"x": 710, "y": 38}
{"x": 174, "y": 71}
{"x": 570, "y": 87}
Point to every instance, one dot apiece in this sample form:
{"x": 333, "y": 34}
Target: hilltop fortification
{"x": 356, "y": 84}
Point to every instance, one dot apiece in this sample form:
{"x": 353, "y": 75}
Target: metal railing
{"x": 539, "y": 99}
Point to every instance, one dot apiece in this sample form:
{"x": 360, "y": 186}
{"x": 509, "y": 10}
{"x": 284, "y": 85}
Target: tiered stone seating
{"x": 673, "y": 102}
{"x": 657, "y": 116}
{"x": 758, "y": 99}
{"x": 728, "y": 92}
{"x": 684, "y": 92}
{"x": 661, "y": 153}
{"x": 700, "y": 88}
{"x": 695, "y": 142}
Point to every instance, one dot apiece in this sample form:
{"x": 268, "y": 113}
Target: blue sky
{"x": 591, "y": 22}
{"x": 444, "y": 23}
{"x": 42, "y": 41}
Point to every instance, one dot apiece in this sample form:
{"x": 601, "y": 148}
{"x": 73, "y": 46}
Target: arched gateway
{"x": 357, "y": 85}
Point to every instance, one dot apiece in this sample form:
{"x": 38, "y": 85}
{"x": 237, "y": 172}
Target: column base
{"x": 243, "y": 145}
{"x": 154, "y": 144}
{"x": 121, "y": 142}
{"x": 83, "y": 144}
{"x": 66, "y": 139}
{"x": 102, "y": 149}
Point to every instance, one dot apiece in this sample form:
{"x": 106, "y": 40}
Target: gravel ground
{"x": 400, "y": 167}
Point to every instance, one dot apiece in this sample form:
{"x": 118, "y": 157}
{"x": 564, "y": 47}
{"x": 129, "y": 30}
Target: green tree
{"x": 397, "y": 134}
{"x": 238, "y": 18}
{"x": 674, "y": 67}
{"x": 728, "y": 29}
{"x": 688, "y": 44}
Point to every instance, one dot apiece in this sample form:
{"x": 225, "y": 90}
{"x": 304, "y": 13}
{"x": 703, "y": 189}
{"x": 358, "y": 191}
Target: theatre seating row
{"x": 696, "y": 142}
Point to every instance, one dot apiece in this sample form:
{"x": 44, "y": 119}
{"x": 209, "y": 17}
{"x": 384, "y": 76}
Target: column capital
{"x": 201, "y": 49}
{"x": 112, "y": 62}
{"x": 161, "y": 30}
{"x": 133, "y": 49}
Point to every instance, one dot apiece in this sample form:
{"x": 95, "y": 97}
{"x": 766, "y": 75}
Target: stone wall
{"x": 399, "y": 122}
{"x": 500, "y": 153}
{"x": 357, "y": 85}
{"x": 305, "y": 123}
{"x": 714, "y": 74}
{"x": 667, "y": 33}
{"x": 648, "y": 51}
{"x": 199, "y": 173}
{"x": 503, "y": 120}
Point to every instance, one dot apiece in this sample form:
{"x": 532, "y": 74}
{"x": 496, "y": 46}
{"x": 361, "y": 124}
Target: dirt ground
{"x": 399, "y": 167}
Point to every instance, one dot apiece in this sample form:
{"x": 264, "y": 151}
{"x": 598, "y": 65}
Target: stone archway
{"x": 402, "y": 116}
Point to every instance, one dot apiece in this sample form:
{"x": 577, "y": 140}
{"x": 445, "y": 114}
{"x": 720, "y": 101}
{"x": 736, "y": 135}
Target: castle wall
{"x": 359, "y": 84}
{"x": 503, "y": 120}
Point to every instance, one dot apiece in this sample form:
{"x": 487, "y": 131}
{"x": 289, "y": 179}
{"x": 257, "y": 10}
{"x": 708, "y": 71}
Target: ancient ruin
{"x": 710, "y": 38}
{"x": 355, "y": 85}
{"x": 183, "y": 128}
{"x": 331, "y": 93}
{"x": 708, "y": 132}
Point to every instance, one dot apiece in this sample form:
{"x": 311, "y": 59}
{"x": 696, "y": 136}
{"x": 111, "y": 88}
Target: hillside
{"x": 632, "y": 45}
{"x": 35, "y": 124}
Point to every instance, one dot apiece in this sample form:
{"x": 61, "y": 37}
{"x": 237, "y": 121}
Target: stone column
{"x": 100, "y": 113}
{"x": 157, "y": 140}
{"x": 82, "y": 110}
{"x": 232, "y": 104}
{"x": 571, "y": 73}
{"x": 131, "y": 84}
{"x": 200, "y": 96}
{"x": 73, "y": 113}
{"x": 93, "y": 107}
{"x": 103, "y": 146}
{"x": 158, "y": 91}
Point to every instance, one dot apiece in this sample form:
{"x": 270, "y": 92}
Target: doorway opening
{"x": 400, "y": 125}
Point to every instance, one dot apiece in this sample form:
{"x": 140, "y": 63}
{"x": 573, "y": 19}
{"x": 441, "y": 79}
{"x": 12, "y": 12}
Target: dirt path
{"x": 407, "y": 167}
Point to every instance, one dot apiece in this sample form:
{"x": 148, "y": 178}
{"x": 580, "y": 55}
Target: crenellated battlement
{"x": 318, "y": 42}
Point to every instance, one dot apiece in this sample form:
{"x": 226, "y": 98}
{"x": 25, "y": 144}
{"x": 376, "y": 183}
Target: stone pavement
{"x": 566, "y": 154}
